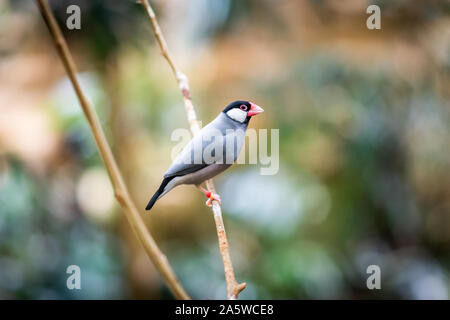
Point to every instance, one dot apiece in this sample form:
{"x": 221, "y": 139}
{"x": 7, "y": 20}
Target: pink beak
{"x": 254, "y": 109}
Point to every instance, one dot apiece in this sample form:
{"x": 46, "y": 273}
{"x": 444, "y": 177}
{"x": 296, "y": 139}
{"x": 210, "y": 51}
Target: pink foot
{"x": 211, "y": 197}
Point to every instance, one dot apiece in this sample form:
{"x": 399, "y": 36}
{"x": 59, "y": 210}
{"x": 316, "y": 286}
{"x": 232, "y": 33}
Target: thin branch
{"x": 119, "y": 186}
{"x": 233, "y": 287}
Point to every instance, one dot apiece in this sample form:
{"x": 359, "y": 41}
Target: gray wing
{"x": 191, "y": 157}
{"x": 184, "y": 162}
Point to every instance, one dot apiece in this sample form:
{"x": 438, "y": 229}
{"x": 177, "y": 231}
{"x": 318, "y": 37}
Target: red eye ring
{"x": 243, "y": 107}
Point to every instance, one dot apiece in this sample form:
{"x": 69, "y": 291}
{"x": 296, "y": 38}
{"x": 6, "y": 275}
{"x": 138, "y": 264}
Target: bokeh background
{"x": 364, "y": 124}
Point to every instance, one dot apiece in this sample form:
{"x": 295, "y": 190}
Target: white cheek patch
{"x": 237, "y": 115}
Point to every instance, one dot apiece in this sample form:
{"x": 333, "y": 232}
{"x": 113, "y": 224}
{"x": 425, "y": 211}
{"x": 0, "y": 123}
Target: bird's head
{"x": 241, "y": 111}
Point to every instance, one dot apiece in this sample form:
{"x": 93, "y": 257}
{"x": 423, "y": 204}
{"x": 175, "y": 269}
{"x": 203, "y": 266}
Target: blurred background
{"x": 364, "y": 124}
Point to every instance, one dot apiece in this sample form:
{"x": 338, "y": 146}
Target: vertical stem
{"x": 233, "y": 287}
{"x": 120, "y": 189}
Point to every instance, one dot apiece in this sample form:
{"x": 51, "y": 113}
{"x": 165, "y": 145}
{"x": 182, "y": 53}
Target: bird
{"x": 211, "y": 151}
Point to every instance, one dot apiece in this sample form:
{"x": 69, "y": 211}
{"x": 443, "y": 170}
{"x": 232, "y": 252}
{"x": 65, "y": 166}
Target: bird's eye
{"x": 243, "y": 107}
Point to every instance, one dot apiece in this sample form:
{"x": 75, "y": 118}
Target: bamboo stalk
{"x": 233, "y": 287}
{"x": 120, "y": 189}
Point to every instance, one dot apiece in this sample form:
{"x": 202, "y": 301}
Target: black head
{"x": 241, "y": 110}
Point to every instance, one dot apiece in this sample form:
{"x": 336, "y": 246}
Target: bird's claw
{"x": 211, "y": 197}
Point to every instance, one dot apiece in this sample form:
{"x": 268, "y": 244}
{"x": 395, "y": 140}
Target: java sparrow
{"x": 198, "y": 161}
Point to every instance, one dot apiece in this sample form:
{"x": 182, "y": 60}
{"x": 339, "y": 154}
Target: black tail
{"x": 158, "y": 193}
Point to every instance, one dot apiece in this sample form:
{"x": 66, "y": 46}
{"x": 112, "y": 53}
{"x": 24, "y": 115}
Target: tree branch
{"x": 233, "y": 287}
{"x": 120, "y": 189}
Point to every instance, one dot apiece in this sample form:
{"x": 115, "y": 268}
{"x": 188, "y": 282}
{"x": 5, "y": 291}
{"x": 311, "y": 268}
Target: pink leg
{"x": 211, "y": 196}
